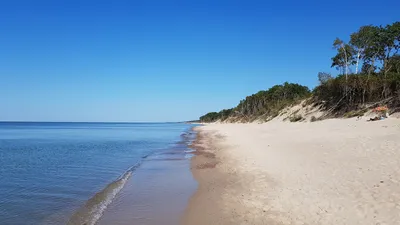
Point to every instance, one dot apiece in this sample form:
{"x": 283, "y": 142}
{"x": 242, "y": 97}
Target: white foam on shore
{"x": 94, "y": 208}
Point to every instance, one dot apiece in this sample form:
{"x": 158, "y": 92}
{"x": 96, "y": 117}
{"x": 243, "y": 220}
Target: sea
{"x": 94, "y": 173}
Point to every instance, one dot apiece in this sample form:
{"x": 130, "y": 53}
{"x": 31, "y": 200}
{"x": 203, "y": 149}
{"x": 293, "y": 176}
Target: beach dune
{"x": 339, "y": 171}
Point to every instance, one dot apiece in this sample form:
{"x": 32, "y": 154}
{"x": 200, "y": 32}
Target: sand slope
{"x": 327, "y": 172}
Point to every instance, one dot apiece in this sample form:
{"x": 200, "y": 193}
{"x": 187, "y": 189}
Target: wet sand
{"x": 328, "y": 172}
{"x": 157, "y": 192}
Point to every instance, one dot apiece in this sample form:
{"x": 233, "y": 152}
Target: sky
{"x": 158, "y": 61}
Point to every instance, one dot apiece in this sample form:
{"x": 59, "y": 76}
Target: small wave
{"x": 94, "y": 208}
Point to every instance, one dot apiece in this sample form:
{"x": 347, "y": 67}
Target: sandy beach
{"x": 339, "y": 171}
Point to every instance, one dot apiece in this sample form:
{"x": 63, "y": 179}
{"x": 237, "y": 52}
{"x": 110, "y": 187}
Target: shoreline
{"x": 328, "y": 172}
{"x": 153, "y": 191}
{"x": 203, "y": 168}
{"x": 221, "y": 188}
{"x": 157, "y": 192}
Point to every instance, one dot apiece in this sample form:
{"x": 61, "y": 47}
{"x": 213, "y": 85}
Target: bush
{"x": 347, "y": 95}
{"x": 313, "y": 119}
{"x": 214, "y": 116}
{"x": 264, "y": 103}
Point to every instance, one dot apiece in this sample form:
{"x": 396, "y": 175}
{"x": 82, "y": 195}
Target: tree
{"x": 367, "y": 68}
{"x": 264, "y": 103}
{"x": 394, "y": 64}
{"x": 395, "y": 29}
{"x": 364, "y": 43}
{"x": 324, "y": 77}
{"x": 371, "y": 49}
{"x": 391, "y": 36}
{"x": 361, "y": 41}
{"x": 385, "y": 45}
{"x": 344, "y": 57}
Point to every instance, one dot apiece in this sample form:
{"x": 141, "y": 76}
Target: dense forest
{"x": 369, "y": 74}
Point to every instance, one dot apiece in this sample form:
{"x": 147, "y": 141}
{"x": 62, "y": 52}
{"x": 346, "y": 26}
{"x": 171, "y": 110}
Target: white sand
{"x": 327, "y": 172}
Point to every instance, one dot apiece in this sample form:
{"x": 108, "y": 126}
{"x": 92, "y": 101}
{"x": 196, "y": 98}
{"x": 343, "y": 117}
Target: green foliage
{"x": 271, "y": 101}
{"x": 225, "y": 113}
{"x": 364, "y": 39}
{"x": 342, "y": 95}
{"x": 368, "y": 68}
{"x": 324, "y": 77}
{"x": 393, "y": 65}
{"x": 214, "y": 116}
{"x": 376, "y": 48}
{"x": 266, "y": 103}
{"x": 344, "y": 56}
{"x": 371, "y": 44}
{"x": 209, "y": 117}
{"x": 363, "y": 42}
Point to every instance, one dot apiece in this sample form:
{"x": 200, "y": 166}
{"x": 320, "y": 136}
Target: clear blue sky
{"x": 163, "y": 60}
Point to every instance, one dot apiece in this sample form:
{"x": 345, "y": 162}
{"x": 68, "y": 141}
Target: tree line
{"x": 369, "y": 65}
{"x": 369, "y": 72}
{"x": 265, "y": 104}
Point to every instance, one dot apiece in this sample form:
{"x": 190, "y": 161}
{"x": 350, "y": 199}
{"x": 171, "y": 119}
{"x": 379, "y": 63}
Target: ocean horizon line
{"x": 111, "y": 122}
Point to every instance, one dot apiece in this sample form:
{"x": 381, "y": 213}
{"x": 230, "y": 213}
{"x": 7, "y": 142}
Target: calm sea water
{"x": 68, "y": 173}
